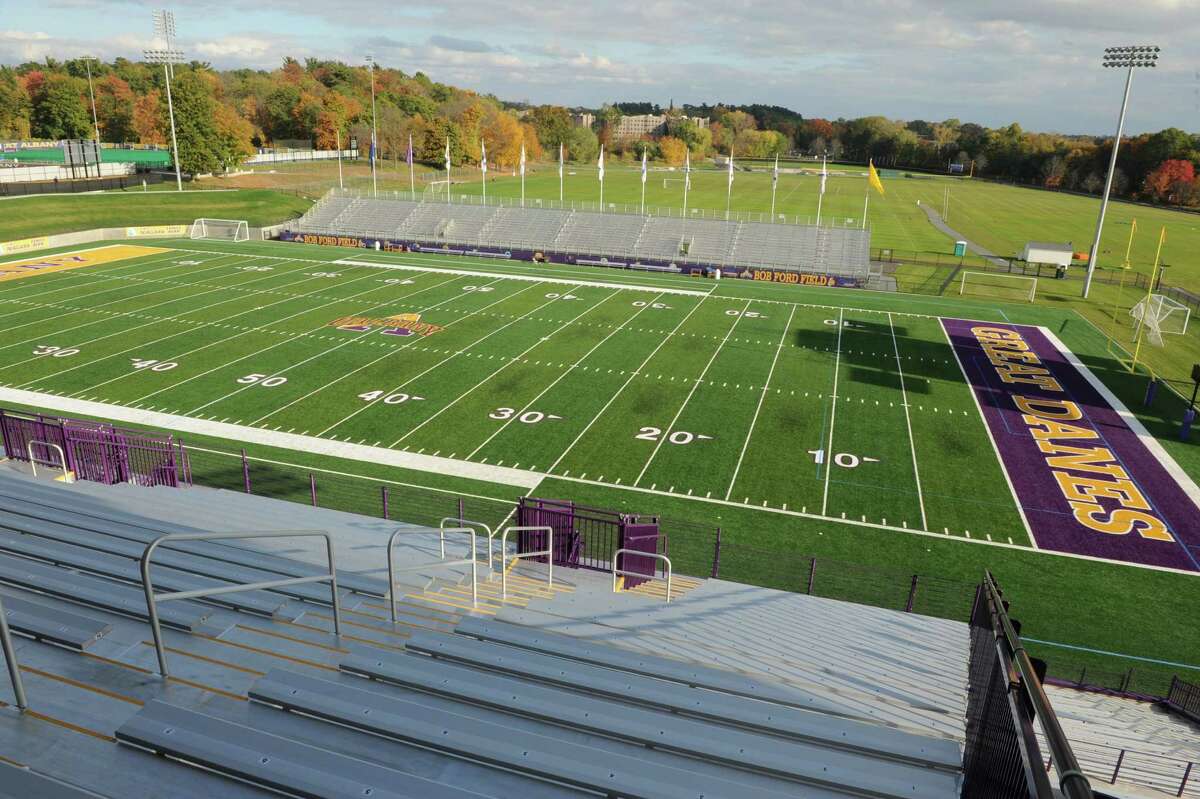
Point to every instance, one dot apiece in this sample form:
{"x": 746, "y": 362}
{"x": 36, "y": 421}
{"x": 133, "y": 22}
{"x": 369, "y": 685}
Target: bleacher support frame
{"x": 153, "y": 599}
{"x": 10, "y": 660}
{"x": 1001, "y": 757}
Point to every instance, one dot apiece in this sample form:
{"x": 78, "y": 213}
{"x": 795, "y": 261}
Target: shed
{"x": 1047, "y": 252}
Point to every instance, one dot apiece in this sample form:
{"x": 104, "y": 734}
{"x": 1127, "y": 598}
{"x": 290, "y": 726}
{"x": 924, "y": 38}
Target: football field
{"x": 851, "y": 407}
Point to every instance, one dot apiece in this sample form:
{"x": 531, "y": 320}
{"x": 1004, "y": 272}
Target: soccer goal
{"x": 994, "y": 285}
{"x": 1159, "y": 315}
{"x": 669, "y": 182}
{"x": 222, "y": 229}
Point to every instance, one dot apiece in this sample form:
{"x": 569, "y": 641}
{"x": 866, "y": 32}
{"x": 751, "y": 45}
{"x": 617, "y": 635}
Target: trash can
{"x": 960, "y": 249}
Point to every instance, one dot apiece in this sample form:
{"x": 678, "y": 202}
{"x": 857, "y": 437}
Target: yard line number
{"x": 845, "y": 460}
{"x": 677, "y": 437}
{"x": 528, "y": 417}
{"x": 153, "y": 365}
{"x": 388, "y": 399}
{"x": 55, "y": 352}
{"x": 262, "y": 380}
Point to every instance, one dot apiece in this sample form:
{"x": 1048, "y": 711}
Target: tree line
{"x": 223, "y": 115}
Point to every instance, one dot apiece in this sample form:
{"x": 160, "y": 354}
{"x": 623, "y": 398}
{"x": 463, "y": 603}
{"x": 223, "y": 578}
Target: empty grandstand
{"x": 659, "y": 239}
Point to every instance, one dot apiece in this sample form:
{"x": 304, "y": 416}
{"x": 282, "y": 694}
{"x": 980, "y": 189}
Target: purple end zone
{"x": 1042, "y": 479}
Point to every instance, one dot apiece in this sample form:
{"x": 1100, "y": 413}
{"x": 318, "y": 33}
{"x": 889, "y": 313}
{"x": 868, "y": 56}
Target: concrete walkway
{"x": 936, "y": 219}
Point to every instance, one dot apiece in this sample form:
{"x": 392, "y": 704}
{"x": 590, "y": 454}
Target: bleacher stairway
{"x": 559, "y": 691}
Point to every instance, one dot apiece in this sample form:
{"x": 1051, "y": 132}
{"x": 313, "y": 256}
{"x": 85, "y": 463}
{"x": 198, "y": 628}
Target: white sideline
{"x": 271, "y": 438}
{"x": 527, "y": 278}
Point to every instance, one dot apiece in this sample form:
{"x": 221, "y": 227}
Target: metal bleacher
{"x": 510, "y": 700}
{"x": 588, "y": 233}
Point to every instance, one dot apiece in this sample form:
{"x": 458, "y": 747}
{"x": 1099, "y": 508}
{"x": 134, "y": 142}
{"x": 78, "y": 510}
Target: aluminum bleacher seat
{"x": 21, "y": 783}
{"x": 599, "y": 234}
{"x": 41, "y": 622}
{"x": 516, "y": 227}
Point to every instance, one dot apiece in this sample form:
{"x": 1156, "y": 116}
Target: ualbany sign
{"x": 23, "y": 245}
{"x": 1087, "y": 481}
{"x": 156, "y": 230}
{"x": 61, "y": 262}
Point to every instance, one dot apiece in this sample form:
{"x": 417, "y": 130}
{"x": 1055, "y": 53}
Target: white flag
{"x": 600, "y": 163}
{"x": 643, "y": 165}
{"x": 447, "y": 153}
{"x": 824, "y": 174}
{"x": 687, "y": 169}
{"x": 522, "y": 159}
{"x": 775, "y": 172}
{"x": 560, "y": 159}
{"x": 483, "y": 157}
{"x": 731, "y": 170}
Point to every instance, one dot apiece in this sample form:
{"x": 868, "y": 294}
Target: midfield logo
{"x": 405, "y": 324}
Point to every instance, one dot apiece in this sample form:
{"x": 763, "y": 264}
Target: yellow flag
{"x": 873, "y": 177}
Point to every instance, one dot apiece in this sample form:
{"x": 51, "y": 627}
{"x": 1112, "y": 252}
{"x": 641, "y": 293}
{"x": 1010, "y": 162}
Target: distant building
{"x": 635, "y": 126}
{"x": 583, "y": 120}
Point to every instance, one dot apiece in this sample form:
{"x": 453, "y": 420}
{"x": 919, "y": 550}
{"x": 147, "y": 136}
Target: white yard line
{"x": 625, "y": 385}
{"x": 828, "y": 455}
{"x": 194, "y": 350}
{"x": 533, "y": 278}
{"x": 286, "y": 340}
{"x": 95, "y": 307}
{"x": 695, "y": 385}
{"x": 139, "y": 312}
{"x": 449, "y": 357}
{"x": 510, "y": 362}
{"x": 761, "y": 397}
{"x": 270, "y": 438}
{"x": 325, "y": 351}
{"x": 562, "y": 376}
{"x": 991, "y": 438}
{"x": 912, "y": 444}
{"x": 388, "y": 354}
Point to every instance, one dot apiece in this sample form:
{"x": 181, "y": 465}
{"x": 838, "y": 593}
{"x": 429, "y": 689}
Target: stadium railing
{"x": 1005, "y": 700}
{"x": 1184, "y": 698}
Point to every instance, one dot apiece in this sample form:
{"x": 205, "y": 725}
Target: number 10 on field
{"x": 843, "y": 459}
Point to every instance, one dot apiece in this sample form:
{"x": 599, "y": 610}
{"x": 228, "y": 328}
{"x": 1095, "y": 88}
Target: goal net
{"x": 1157, "y": 315}
{"x": 998, "y": 286}
{"x": 222, "y": 229}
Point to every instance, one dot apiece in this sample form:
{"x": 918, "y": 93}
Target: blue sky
{"x": 1036, "y": 62}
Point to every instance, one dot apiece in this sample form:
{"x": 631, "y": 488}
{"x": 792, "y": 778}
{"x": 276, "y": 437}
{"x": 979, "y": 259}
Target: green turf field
{"x": 709, "y": 403}
{"x": 107, "y": 155}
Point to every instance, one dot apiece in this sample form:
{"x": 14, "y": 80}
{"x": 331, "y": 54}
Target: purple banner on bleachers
{"x": 1088, "y": 477}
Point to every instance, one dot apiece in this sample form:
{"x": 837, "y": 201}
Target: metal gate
{"x": 97, "y": 451}
{"x": 587, "y": 537}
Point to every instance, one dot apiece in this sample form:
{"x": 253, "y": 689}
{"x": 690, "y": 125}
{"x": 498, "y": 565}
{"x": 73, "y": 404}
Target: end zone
{"x": 1089, "y": 479}
{"x": 63, "y": 261}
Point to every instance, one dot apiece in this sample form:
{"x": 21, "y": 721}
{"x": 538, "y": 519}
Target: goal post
{"x": 221, "y": 229}
{"x": 994, "y": 285}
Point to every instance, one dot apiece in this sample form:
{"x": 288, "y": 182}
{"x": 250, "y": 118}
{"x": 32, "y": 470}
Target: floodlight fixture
{"x": 1129, "y": 58}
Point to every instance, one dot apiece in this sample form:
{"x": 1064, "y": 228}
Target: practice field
{"x": 866, "y": 411}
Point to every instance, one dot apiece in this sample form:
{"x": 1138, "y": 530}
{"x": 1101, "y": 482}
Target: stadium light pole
{"x": 167, "y": 58}
{"x": 87, "y": 61}
{"x": 1128, "y": 58}
{"x": 374, "y": 137}
{"x": 164, "y": 27}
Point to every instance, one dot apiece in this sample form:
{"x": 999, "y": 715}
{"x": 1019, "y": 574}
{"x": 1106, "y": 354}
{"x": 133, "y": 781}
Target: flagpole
{"x": 483, "y": 167}
{"x": 643, "y": 180}
{"x": 447, "y": 170}
{"x": 774, "y": 186}
{"x": 560, "y": 174}
{"x": 522, "y": 174}
{"x": 601, "y": 166}
{"x": 821, "y": 191}
{"x": 412, "y": 176}
{"x": 729, "y": 187}
{"x": 338, "y": 133}
{"x": 866, "y": 204}
{"x": 687, "y": 181}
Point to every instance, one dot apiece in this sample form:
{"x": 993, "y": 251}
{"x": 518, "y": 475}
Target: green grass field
{"x": 710, "y": 404}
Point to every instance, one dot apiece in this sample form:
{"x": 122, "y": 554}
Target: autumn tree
{"x": 673, "y": 150}
{"x": 552, "y": 124}
{"x": 148, "y": 124}
{"x": 1171, "y": 182}
{"x": 115, "y": 109}
{"x": 59, "y": 111}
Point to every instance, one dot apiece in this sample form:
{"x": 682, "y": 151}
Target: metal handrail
{"x": 153, "y": 599}
{"x": 1071, "y": 780}
{"x": 392, "y": 570}
{"x": 62, "y": 456}
{"x": 504, "y": 558}
{"x": 615, "y": 571}
{"x": 10, "y": 659}
{"x": 491, "y": 534}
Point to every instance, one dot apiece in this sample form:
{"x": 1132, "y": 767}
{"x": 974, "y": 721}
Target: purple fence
{"x": 96, "y": 451}
{"x": 588, "y": 538}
